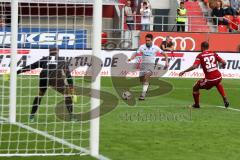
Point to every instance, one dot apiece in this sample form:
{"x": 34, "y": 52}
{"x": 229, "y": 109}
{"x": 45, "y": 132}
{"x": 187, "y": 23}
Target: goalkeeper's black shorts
{"x": 58, "y": 84}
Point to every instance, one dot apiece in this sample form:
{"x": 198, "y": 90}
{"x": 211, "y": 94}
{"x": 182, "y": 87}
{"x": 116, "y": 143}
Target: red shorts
{"x": 208, "y": 84}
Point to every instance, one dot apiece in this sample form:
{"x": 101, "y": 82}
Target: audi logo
{"x": 182, "y": 42}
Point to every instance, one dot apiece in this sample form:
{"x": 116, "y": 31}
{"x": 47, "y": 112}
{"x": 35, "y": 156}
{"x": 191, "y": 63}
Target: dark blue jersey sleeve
{"x": 32, "y": 66}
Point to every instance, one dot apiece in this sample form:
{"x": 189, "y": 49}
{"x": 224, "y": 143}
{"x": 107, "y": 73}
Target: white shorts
{"x": 146, "y": 68}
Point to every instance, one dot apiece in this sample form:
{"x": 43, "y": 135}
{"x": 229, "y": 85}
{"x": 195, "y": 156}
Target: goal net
{"x": 52, "y": 37}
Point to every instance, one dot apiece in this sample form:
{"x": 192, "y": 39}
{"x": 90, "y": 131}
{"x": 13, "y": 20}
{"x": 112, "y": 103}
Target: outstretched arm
{"x": 223, "y": 63}
{"x": 133, "y": 57}
{"x": 220, "y": 60}
{"x": 139, "y": 51}
{"x": 30, "y": 67}
{"x": 188, "y": 70}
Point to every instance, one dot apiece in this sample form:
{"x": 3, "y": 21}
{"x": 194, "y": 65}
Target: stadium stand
{"x": 229, "y": 13}
{"x": 197, "y": 22}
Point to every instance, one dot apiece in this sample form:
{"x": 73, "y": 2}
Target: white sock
{"x": 145, "y": 88}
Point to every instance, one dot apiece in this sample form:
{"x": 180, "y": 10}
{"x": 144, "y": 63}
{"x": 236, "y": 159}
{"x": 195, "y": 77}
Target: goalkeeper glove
{"x": 6, "y": 77}
{"x": 75, "y": 98}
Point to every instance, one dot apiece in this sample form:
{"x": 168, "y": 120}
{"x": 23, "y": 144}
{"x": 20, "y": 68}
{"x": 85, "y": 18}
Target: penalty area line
{"x": 229, "y": 108}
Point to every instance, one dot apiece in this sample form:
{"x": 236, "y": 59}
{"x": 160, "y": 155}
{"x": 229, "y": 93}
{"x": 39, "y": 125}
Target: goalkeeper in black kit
{"x": 55, "y": 74}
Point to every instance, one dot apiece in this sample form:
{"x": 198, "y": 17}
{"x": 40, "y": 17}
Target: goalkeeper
{"x": 56, "y": 74}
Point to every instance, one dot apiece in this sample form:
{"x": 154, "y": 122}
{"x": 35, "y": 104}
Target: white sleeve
{"x": 159, "y": 50}
{"x": 149, "y": 12}
{"x": 140, "y": 49}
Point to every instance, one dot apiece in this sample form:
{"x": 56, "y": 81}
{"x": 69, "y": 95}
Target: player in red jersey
{"x": 208, "y": 61}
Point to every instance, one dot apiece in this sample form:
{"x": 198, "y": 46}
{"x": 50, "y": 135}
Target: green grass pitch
{"x": 161, "y": 127}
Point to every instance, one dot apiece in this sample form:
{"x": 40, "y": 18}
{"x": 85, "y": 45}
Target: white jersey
{"x": 149, "y": 53}
{"x": 146, "y": 16}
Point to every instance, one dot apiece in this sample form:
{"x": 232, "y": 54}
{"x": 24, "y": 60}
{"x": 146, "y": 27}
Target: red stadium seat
{"x": 236, "y": 23}
{"x": 222, "y": 28}
{"x": 237, "y": 19}
{"x": 104, "y": 38}
{"x": 229, "y": 18}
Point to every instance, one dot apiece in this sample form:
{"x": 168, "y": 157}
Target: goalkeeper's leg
{"x": 65, "y": 90}
{"x": 37, "y": 99}
{"x": 69, "y": 105}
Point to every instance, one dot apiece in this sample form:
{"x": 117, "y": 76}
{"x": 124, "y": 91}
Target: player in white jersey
{"x": 148, "y": 51}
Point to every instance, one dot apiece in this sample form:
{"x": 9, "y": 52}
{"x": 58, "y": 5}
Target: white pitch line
{"x": 39, "y": 154}
{"x": 150, "y": 106}
{"x": 233, "y": 109}
{"x": 59, "y": 140}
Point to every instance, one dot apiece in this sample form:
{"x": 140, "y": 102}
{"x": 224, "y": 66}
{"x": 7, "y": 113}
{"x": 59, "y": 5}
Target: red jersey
{"x": 208, "y": 61}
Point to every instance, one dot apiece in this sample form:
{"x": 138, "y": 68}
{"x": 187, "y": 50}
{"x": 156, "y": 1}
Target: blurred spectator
{"x": 235, "y": 4}
{"x": 145, "y": 16}
{"x": 2, "y": 22}
{"x": 167, "y": 45}
{"x": 138, "y": 5}
{"x": 212, "y": 4}
{"x": 148, "y": 3}
{"x": 218, "y": 12}
{"x": 181, "y": 17}
{"x": 129, "y": 15}
{"x": 228, "y": 10}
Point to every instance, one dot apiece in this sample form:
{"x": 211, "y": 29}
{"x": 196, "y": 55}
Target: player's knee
{"x": 146, "y": 83}
{"x": 41, "y": 93}
{"x": 68, "y": 99}
{"x": 195, "y": 88}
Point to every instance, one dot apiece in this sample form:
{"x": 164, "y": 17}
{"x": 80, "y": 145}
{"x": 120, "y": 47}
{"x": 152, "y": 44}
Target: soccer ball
{"x": 126, "y": 95}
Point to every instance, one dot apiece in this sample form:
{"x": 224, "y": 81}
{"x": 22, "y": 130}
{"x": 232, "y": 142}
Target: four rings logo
{"x": 182, "y": 43}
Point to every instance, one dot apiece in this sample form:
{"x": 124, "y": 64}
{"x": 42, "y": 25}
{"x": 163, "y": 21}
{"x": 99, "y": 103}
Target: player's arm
{"x": 133, "y": 57}
{"x": 188, "y": 70}
{"x": 194, "y": 66}
{"x": 220, "y": 60}
{"x": 35, "y": 65}
{"x": 135, "y": 54}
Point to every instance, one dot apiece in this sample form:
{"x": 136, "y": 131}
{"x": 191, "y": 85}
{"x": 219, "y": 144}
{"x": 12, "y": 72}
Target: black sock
{"x": 68, "y": 103}
{"x": 35, "y": 105}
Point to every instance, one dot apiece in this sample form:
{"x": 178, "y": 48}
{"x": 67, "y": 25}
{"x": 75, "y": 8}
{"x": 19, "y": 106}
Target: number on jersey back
{"x": 208, "y": 61}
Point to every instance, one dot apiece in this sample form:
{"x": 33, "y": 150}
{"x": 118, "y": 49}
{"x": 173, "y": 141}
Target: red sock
{"x": 196, "y": 97}
{"x": 221, "y": 90}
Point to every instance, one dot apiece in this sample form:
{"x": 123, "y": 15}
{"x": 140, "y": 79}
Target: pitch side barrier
{"x": 114, "y": 63}
{"x": 189, "y": 41}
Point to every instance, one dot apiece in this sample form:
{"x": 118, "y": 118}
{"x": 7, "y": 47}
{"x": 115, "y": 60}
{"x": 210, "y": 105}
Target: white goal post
{"x": 47, "y": 134}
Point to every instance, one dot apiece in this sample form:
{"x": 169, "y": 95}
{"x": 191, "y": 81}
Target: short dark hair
{"x": 149, "y": 36}
{"x": 181, "y": 2}
{"x": 144, "y": 3}
{"x": 205, "y": 45}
